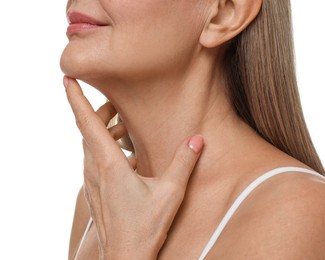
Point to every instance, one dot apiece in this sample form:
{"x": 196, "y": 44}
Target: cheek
{"x": 154, "y": 42}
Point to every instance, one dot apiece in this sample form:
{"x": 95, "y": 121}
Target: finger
{"x": 106, "y": 112}
{"x": 118, "y": 131}
{"x": 132, "y": 161}
{"x": 184, "y": 162}
{"x": 94, "y": 131}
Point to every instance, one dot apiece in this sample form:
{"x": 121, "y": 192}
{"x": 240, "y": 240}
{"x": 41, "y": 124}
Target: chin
{"x": 73, "y": 63}
{"x": 79, "y": 64}
{"x": 82, "y": 60}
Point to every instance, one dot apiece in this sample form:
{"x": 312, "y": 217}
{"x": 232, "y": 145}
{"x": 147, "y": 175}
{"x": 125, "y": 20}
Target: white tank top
{"x": 233, "y": 207}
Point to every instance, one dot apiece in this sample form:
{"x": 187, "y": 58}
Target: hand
{"x": 132, "y": 214}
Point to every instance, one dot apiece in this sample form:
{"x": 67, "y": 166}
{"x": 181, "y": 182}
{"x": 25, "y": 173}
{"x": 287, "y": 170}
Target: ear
{"x": 226, "y": 19}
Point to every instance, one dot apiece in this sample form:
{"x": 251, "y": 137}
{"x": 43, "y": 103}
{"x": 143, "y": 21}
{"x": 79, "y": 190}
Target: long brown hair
{"x": 260, "y": 69}
{"x": 262, "y": 82}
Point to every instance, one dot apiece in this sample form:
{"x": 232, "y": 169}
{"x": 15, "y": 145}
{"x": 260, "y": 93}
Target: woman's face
{"x": 137, "y": 38}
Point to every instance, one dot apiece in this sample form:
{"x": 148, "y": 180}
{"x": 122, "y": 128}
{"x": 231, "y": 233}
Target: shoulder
{"x": 80, "y": 220}
{"x": 284, "y": 218}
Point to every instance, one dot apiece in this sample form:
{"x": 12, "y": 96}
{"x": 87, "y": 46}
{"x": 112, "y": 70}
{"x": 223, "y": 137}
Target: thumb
{"x": 184, "y": 161}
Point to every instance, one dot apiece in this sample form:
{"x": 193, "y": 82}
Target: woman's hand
{"x": 132, "y": 214}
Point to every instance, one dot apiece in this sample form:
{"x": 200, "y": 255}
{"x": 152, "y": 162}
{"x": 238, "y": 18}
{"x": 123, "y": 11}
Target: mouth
{"x": 79, "y": 22}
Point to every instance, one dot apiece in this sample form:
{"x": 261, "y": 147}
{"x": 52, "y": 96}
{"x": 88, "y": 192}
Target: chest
{"x": 191, "y": 230}
{"x": 180, "y": 244}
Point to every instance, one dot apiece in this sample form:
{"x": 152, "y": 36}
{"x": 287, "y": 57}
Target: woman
{"x": 180, "y": 74}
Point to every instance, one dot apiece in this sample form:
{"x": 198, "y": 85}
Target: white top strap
{"x": 243, "y": 196}
{"x": 83, "y": 237}
{"x": 231, "y": 210}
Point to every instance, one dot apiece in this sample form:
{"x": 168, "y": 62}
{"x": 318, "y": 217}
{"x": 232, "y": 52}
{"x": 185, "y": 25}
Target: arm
{"x": 80, "y": 220}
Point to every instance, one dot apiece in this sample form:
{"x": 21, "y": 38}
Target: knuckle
{"x": 90, "y": 177}
{"x": 118, "y": 131}
{"x": 99, "y": 171}
{"x": 113, "y": 133}
{"x": 184, "y": 158}
{"x": 82, "y": 122}
{"x": 105, "y": 165}
{"x": 105, "y": 170}
{"x": 174, "y": 190}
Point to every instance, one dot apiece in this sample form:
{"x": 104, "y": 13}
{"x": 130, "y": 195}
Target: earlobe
{"x": 227, "y": 19}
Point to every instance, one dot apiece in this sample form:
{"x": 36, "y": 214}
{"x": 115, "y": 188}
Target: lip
{"x": 79, "y": 22}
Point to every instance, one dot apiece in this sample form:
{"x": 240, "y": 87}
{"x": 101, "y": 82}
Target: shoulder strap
{"x": 243, "y": 196}
{"x": 83, "y": 237}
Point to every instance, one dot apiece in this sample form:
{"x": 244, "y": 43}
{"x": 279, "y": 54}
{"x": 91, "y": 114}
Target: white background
{"x": 40, "y": 147}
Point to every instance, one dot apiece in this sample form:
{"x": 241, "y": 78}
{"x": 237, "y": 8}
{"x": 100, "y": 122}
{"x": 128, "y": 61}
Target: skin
{"x": 160, "y": 65}
{"x": 145, "y": 207}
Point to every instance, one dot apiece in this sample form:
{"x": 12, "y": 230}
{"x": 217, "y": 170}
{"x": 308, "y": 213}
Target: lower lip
{"x": 80, "y": 27}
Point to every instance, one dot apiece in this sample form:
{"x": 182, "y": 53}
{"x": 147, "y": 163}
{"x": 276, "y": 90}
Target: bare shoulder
{"x": 80, "y": 220}
{"x": 284, "y": 218}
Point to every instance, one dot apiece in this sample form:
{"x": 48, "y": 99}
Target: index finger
{"x": 92, "y": 128}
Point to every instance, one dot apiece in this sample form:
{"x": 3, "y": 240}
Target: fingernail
{"x": 196, "y": 143}
{"x": 65, "y": 81}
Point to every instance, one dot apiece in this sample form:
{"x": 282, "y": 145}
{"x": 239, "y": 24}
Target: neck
{"x": 160, "y": 114}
